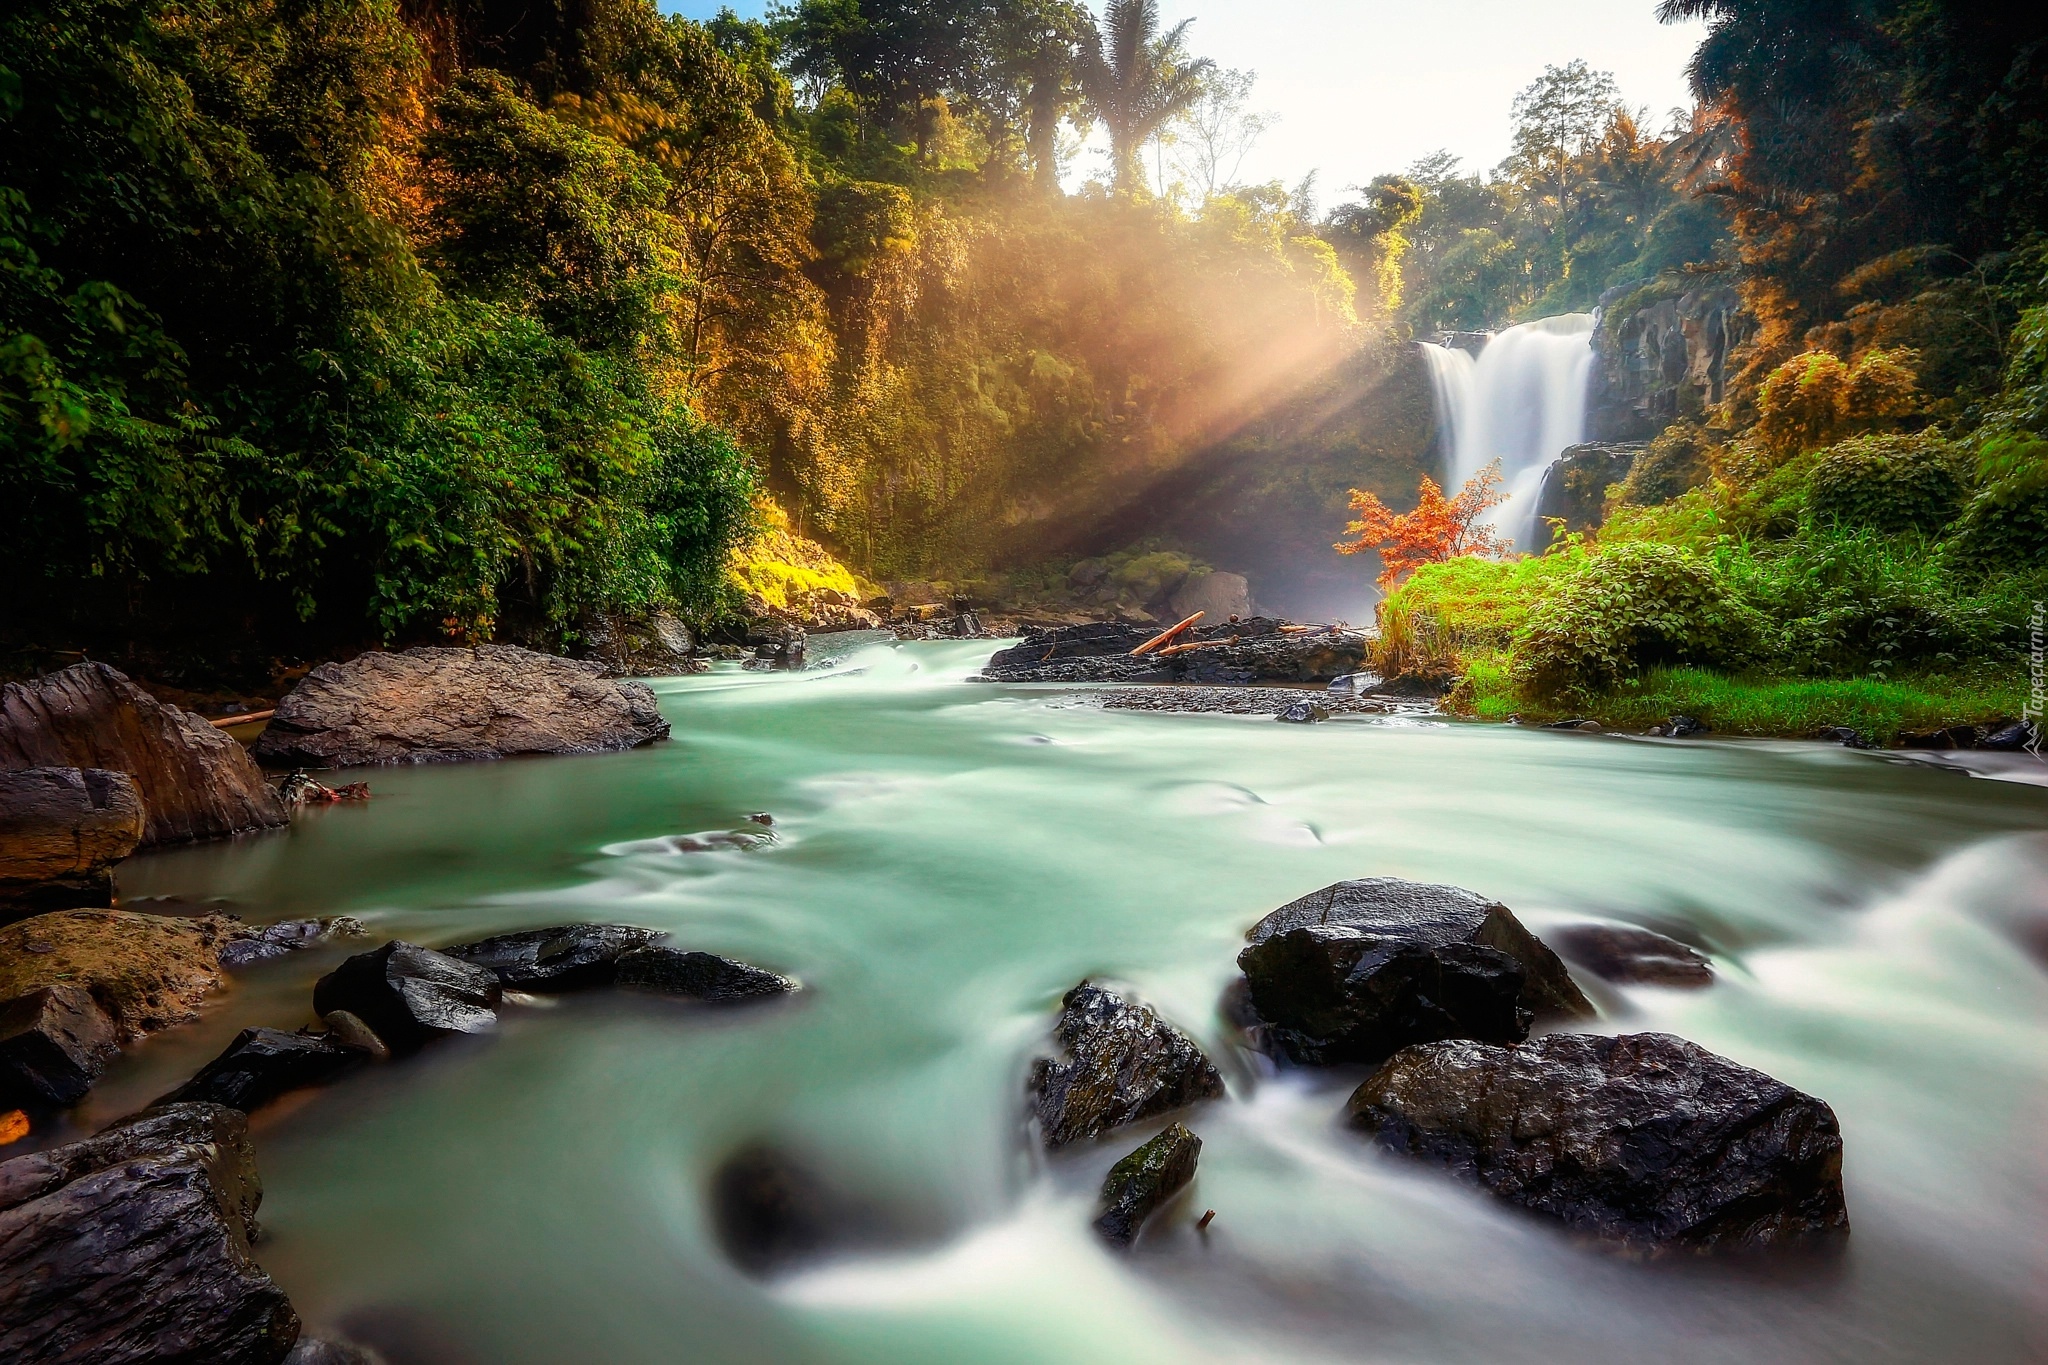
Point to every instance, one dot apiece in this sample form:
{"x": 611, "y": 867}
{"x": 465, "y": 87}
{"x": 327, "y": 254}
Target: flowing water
{"x": 1521, "y": 403}
{"x": 953, "y": 856}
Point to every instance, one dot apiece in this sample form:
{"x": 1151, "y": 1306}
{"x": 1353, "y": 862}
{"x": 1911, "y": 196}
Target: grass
{"x": 1797, "y": 708}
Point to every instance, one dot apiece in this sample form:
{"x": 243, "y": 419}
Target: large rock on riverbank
{"x": 432, "y": 705}
{"x": 1646, "y": 1139}
{"x": 74, "y": 984}
{"x": 1123, "y": 1063}
{"x": 61, "y": 832}
{"x": 195, "y": 781}
{"x": 133, "y": 1246}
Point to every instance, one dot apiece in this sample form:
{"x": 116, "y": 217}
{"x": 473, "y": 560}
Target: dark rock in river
{"x": 1633, "y": 956}
{"x": 1124, "y": 1063}
{"x": 411, "y": 995}
{"x": 1847, "y": 737}
{"x": 195, "y": 780}
{"x": 1645, "y": 1139}
{"x": 699, "y": 976}
{"x": 54, "y": 1043}
{"x": 1436, "y": 916}
{"x": 1251, "y": 649}
{"x": 568, "y": 957}
{"x": 1333, "y": 993}
{"x": 773, "y": 1213}
{"x": 1303, "y": 713}
{"x": 260, "y": 1065}
{"x": 247, "y": 946}
{"x": 61, "y": 832}
{"x": 431, "y": 705}
{"x": 1141, "y": 1184}
{"x": 2021, "y": 734}
{"x": 133, "y": 1246}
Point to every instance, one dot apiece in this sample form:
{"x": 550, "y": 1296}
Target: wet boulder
{"x": 195, "y": 781}
{"x": 1644, "y": 1140}
{"x": 1627, "y": 955}
{"x": 698, "y": 976}
{"x": 61, "y": 832}
{"x": 133, "y": 1246}
{"x": 1143, "y": 1182}
{"x": 54, "y": 1043}
{"x": 262, "y": 1064}
{"x": 1124, "y": 1063}
{"x": 409, "y": 995}
{"x": 568, "y": 957}
{"x": 435, "y": 704}
{"x": 1303, "y": 713}
{"x": 310, "y": 1351}
{"x": 247, "y": 946}
{"x": 1436, "y": 917}
{"x": 1326, "y": 994}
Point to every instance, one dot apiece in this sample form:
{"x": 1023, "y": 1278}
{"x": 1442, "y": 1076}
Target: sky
{"x": 1364, "y": 87}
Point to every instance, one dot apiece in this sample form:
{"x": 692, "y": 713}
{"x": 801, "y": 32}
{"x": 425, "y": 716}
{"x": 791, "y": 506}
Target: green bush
{"x": 1888, "y": 483}
{"x": 1633, "y": 607}
{"x": 2004, "y": 528}
{"x": 1672, "y": 464}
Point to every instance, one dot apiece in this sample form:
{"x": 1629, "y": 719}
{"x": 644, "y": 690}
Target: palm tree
{"x": 1138, "y": 80}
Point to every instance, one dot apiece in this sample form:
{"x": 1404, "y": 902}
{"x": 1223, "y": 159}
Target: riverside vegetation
{"x": 346, "y": 322}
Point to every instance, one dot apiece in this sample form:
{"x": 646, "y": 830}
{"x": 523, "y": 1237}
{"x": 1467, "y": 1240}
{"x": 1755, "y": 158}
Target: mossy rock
{"x": 147, "y": 972}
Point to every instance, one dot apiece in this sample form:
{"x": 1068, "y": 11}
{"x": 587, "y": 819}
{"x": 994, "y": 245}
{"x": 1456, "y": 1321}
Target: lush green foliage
{"x": 260, "y": 341}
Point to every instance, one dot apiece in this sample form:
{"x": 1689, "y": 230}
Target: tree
{"x": 1137, "y": 81}
{"x": 1439, "y": 528}
{"x": 1215, "y": 133}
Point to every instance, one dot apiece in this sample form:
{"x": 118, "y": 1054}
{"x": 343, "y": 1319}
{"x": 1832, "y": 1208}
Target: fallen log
{"x": 1196, "y": 644}
{"x": 250, "y": 719}
{"x": 1163, "y": 636}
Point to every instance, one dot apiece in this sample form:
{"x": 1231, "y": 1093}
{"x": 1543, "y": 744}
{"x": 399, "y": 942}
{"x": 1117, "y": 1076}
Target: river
{"x": 950, "y": 858}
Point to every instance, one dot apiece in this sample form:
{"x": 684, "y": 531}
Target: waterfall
{"x": 1521, "y": 402}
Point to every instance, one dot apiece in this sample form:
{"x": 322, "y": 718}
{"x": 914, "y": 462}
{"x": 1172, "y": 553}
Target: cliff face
{"x": 1660, "y": 354}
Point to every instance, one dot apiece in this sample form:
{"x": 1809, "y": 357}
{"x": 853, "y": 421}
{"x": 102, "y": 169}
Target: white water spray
{"x": 1521, "y": 402}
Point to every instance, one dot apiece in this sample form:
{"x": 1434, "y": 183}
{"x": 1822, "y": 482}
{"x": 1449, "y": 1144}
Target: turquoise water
{"x": 950, "y": 858}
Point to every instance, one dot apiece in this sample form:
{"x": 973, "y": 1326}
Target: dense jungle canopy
{"x": 350, "y": 320}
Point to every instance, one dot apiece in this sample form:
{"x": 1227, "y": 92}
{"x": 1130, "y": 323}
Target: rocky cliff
{"x": 1661, "y": 352}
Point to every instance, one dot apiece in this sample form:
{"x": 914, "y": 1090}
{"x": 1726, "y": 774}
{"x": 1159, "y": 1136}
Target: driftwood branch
{"x": 225, "y": 721}
{"x": 1163, "y": 636}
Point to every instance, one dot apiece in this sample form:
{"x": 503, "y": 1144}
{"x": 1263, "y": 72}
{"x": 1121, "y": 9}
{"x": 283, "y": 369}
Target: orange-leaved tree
{"x": 1439, "y": 528}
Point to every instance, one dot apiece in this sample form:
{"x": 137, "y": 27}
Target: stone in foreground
{"x": 1142, "y": 1183}
{"x": 1124, "y": 1064}
{"x": 772, "y": 1213}
{"x": 1645, "y": 1140}
{"x": 195, "y": 780}
{"x": 133, "y": 1246}
{"x": 1631, "y": 956}
{"x": 568, "y": 957}
{"x": 410, "y": 995}
{"x": 698, "y": 976}
{"x": 1331, "y": 993}
{"x": 435, "y": 704}
{"x": 61, "y": 832}
{"x": 262, "y": 1064}
{"x": 147, "y": 972}
{"x": 1437, "y": 917}
{"x": 54, "y": 1043}
{"x": 247, "y": 946}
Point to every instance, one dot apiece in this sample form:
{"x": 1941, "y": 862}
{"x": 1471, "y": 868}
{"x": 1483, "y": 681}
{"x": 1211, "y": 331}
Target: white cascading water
{"x": 1521, "y": 402}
